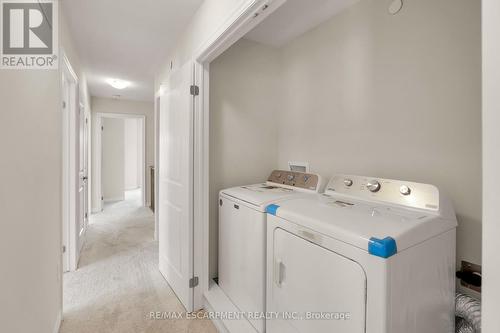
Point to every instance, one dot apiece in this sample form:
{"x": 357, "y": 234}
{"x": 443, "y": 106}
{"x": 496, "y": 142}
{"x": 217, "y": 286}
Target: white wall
{"x": 109, "y": 105}
{"x": 133, "y": 153}
{"x": 243, "y": 103}
{"x": 371, "y": 94}
{"x": 210, "y": 17}
{"x": 388, "y": 96}
{"x": 30, "y": 240}
{"x": 491, "y": 166}
{"x": 113, "y": 159}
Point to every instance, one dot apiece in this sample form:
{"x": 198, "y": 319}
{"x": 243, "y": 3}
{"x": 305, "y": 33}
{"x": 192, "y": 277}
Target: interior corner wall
{"x": 110, "y": 105}
{"x": 397, "y": 97}
{"x": 243, "y": 134}
{"x": 210, "y": 17}
{"x": 113, "y": 159}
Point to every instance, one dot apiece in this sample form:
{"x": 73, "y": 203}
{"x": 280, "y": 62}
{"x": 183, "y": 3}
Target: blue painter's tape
{"x": 384, "y": 248}
{"x": 271, "y": 209}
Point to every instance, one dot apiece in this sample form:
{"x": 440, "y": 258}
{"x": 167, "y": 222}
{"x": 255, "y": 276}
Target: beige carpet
{"x": 117, "y": 284}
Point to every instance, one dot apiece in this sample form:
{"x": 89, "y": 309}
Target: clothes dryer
{"x": 367, "y": 256}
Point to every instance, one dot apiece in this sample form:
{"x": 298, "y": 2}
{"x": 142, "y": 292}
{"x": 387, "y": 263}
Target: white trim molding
{"x": 114, "y": 199}
{"x": 57, "y": 324}
{"x": 491, "y": 164}
{"x": 70, "y": 164}
{"x": 158, "y": 95}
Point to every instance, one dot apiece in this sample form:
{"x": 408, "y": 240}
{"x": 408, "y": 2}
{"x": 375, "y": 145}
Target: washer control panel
{"x": 416, "y": 195}
{"x": 301, "y": 180}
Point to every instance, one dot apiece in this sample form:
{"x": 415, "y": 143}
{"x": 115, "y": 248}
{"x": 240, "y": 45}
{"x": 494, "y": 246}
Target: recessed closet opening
{"x": 354, "y": 87}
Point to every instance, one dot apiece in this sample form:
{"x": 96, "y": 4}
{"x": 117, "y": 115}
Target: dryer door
{"x": 314, "y": 289}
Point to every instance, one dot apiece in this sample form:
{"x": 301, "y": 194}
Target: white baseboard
{"x": 132, "y": 188}
{"x": 219, "y": 326}
{"x": 216, "y": 300}
{"x": 114, "y": 199}
{"x": 57, "y": 325}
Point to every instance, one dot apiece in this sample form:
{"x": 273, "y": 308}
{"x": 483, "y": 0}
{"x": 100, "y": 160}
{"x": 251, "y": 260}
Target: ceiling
{"x": 126, "y": 39}
{"x": 294, "y": 18}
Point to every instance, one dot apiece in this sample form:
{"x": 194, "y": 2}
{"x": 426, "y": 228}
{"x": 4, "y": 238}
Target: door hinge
{"x": 102, "y": 198}
{"x": 64, "y": 248}
{"x": 195, "y": 90}
{"x": 86, "y": 215}
{"x": 64, "y": 105}
{"x": 193, "y": 282}
{"x": 102, "y": 128}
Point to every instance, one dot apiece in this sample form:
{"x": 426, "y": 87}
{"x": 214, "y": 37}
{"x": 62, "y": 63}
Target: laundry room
{"x": 384, "y": 89}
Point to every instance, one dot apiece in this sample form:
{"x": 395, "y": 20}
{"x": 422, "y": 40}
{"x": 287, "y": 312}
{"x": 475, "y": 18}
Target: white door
{"x": 66, "y": 160}
{"x": 315, "y": 289}
{"x": 175, "y": 211}
{"x": 72, "y": 187}
{"x": 83, "y": 174}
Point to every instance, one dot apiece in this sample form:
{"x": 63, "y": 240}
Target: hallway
{"x": 117, "y": 284}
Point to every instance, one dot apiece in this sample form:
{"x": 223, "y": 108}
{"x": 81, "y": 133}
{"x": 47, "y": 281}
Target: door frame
{"x": 70, "y": 240}
{"x": 246, "y": 17}
{"x": 491, "y": 165}
{"x": 157, "y": 158}
{"x": 98, "y": 153}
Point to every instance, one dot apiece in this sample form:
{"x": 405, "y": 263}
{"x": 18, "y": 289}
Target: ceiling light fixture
{"x": 118, "y": 84}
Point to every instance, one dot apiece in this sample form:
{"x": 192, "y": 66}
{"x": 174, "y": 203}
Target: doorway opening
{"x": 120, "y": 159}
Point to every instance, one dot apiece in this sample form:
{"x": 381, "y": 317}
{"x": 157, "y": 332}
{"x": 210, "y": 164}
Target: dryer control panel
{"x": 410, "y": 194}
{"x": 307, "y": 181}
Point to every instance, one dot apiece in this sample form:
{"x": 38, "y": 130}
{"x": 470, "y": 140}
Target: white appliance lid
{"x": 280, "y": 185}
{"x": 260, "y": 195}
{"x": 380, "y": 228}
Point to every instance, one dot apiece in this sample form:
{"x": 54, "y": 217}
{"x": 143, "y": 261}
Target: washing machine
{"x": 242, "y": 237}
{"x": 367, "y": 256}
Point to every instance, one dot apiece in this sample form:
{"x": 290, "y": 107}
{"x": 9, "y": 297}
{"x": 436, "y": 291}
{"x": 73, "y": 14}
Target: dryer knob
{"x": 405, "y": 190}
{"x": 348, "y": 182}
{"x": 373, "y": 186}
{"x": 291, "y": 177}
